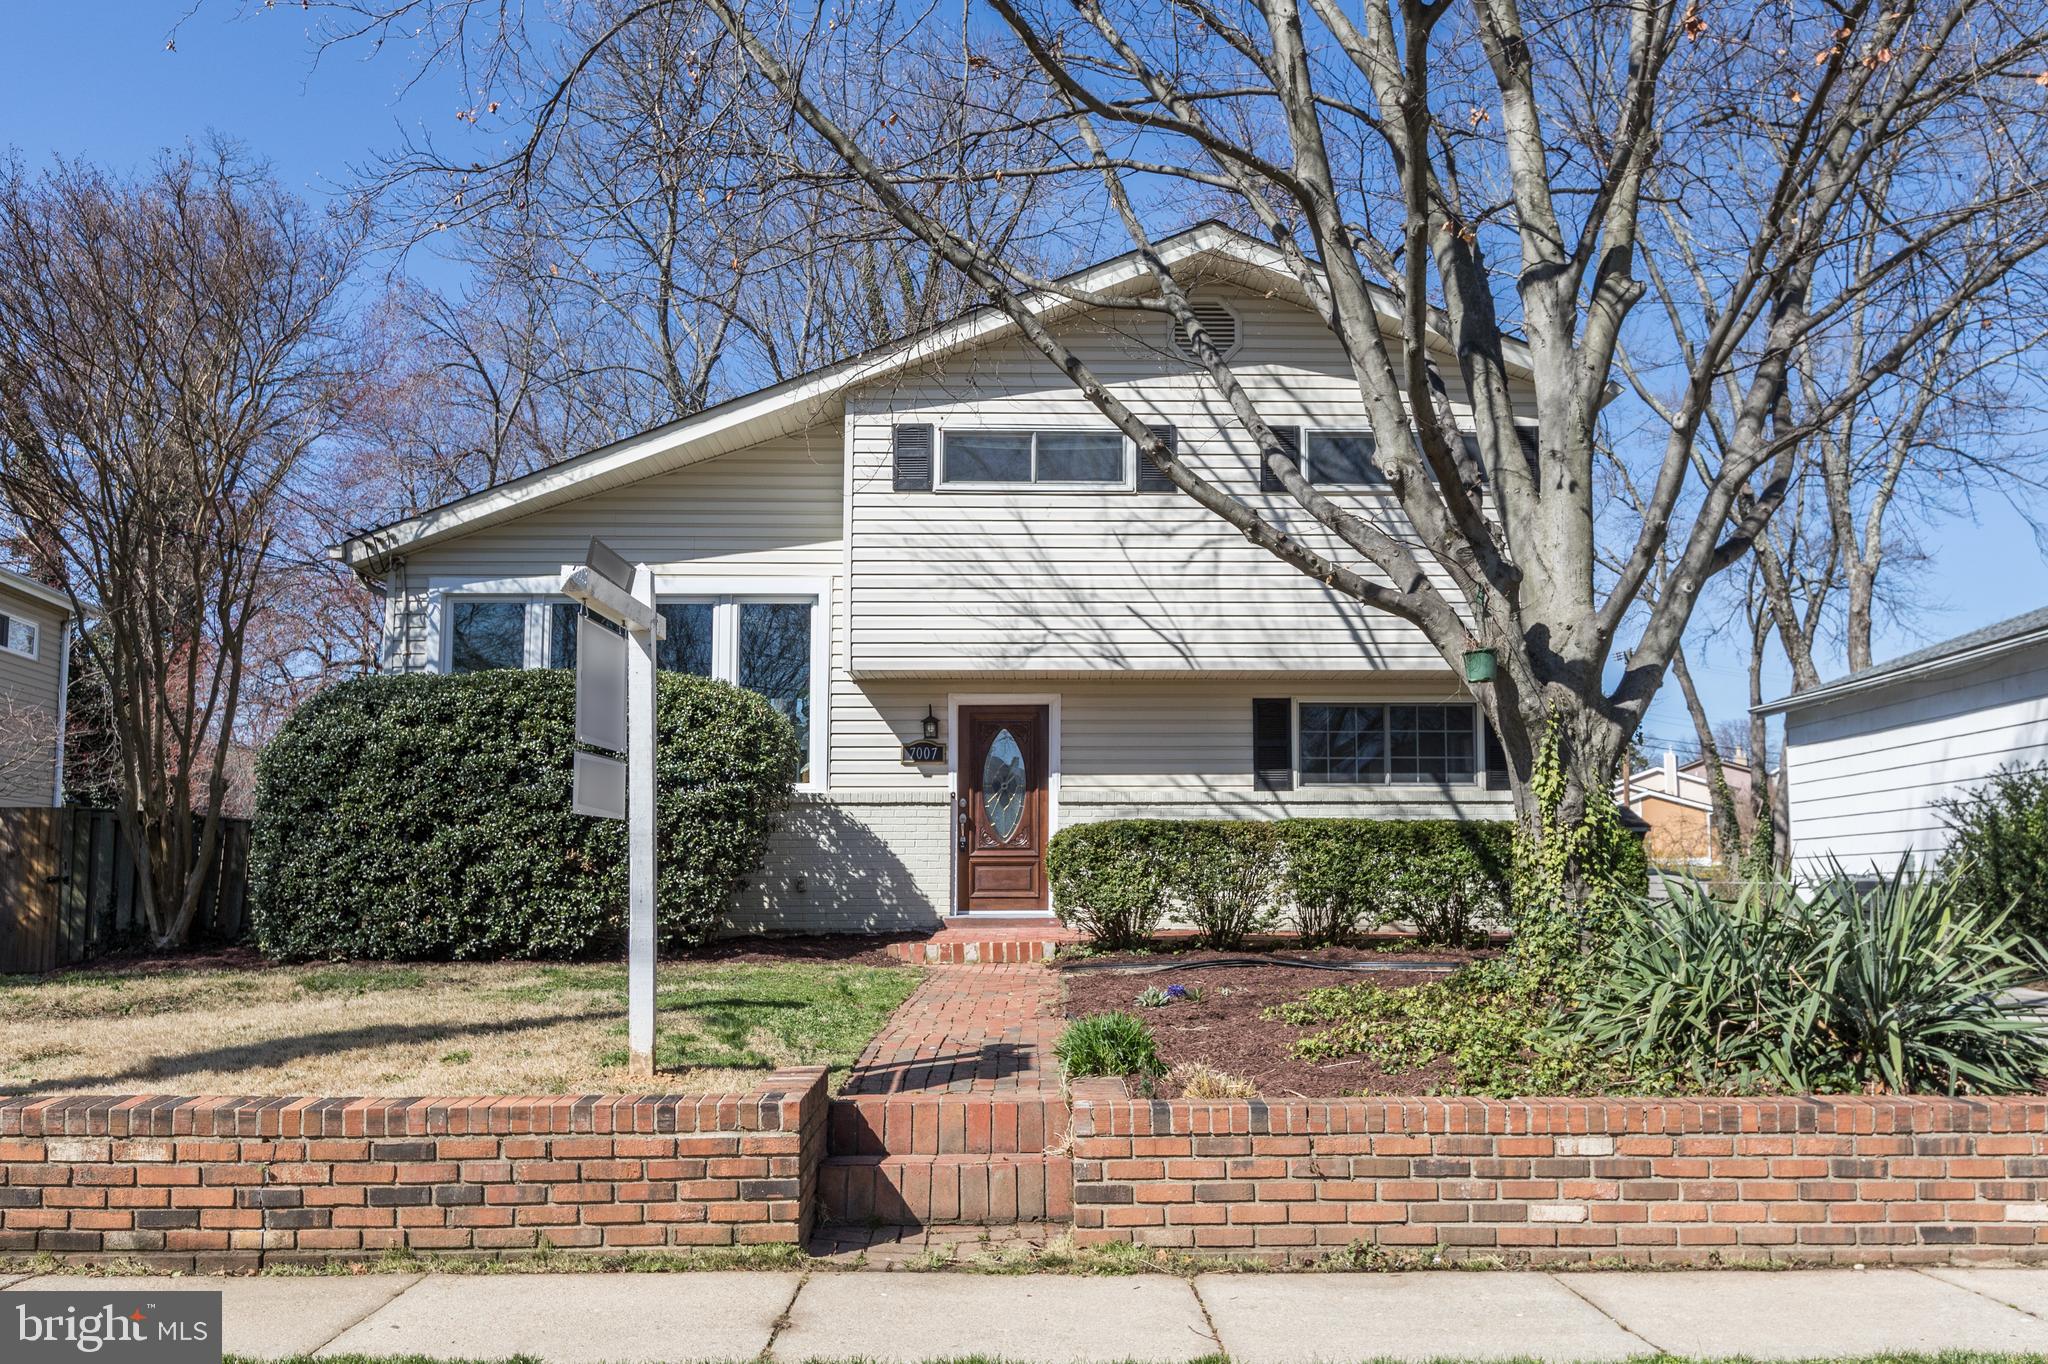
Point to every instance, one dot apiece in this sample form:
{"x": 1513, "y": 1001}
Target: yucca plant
{"x": 1895, "y": 985}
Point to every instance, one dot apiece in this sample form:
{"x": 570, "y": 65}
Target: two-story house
{"x": 943, "y": 537}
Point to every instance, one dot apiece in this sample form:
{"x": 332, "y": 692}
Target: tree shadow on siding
{"x": 828, "y": 871}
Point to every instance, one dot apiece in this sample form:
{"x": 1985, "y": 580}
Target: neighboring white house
{"x": 35, "y": 649}
{"x": 944, "y": 531}
{"x": 1868, "y": 758}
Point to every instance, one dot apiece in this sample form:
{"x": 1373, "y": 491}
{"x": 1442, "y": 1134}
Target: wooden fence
{"x": 68, "y": 888}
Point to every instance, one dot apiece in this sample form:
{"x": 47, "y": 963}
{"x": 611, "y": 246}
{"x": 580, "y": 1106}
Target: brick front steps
{"x": 964, "y": 940}
{"x": 939, "y": 1159}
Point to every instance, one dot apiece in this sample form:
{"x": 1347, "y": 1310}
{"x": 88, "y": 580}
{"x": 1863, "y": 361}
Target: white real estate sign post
{"x": 623, "y": 593}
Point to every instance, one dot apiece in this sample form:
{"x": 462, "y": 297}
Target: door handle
{"x": 961, "y": 822}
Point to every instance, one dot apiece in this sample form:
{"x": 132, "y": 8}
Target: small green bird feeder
{"x": 1479, "y": 665}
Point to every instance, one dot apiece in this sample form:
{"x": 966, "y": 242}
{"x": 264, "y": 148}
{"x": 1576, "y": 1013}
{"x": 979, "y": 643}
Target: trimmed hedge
{"x": 1112, "y": 880}
{"x": 1447, "y": 877}
{"x": 427, "y": 817}
{"x": 1119, "y": 880}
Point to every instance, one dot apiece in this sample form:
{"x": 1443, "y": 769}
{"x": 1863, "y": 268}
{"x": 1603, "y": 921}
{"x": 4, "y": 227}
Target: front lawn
{"x": 431, "y": 1028}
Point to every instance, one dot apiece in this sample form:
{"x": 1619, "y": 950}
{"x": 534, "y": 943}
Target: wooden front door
{"x": 999, "y": 821}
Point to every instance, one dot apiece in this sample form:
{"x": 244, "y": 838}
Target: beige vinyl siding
{"x": 1865, "y": 772}
{"x": 29, "y": 705}
{"x": 1173, "y": 746}
{"x": 958, "y": 581}
{"x": 771, "y": 511}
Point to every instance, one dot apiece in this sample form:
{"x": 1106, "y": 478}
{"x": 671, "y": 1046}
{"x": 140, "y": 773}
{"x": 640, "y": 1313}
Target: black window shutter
{"x": 1496, "y": 757}
{"x": 1290, "y": 441}
{"x": 914, "y": 458}
{"x": 1525, "y": 436}
{"x": 1272, "y": 744}
{"x": 1150, "y": 477}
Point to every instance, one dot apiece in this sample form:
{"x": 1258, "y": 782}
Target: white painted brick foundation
{"x": 852, "y": 861}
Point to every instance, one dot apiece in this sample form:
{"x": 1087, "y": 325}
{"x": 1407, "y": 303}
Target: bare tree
{"x": 663, "y": 224}
{"x": 28, "y": 738}
{"x": 1439, "y": 176}
{"x": 169, "y": 362}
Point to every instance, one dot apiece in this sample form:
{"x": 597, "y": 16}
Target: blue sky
{"x": 95, "y": 80}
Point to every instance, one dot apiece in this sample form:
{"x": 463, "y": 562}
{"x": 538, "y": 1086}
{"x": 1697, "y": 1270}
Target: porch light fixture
{"x": 931, "y": 725}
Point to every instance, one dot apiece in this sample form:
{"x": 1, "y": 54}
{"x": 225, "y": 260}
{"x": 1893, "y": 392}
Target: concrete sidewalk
{"x": 1049, "y": 1319}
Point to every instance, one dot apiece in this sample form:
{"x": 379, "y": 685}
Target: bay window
{"x": 763, "y": 641}
{"x": 485, "y": 634}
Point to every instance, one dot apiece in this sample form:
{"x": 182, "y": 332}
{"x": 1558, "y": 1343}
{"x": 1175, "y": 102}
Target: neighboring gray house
{"x": 943, "y": 531}
{"x": 35, "y": 649}
{"x": 1868, "y": 758}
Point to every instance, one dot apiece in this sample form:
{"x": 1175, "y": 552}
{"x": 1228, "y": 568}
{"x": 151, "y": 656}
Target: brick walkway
{"x": 968, "y": 1030}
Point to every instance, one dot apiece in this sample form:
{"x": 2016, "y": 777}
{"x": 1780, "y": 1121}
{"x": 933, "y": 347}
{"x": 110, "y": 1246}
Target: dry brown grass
{"x": 498, "y": 1028}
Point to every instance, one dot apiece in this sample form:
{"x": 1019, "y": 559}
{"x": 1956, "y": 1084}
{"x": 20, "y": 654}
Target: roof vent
{"x": 1217, "y": 321}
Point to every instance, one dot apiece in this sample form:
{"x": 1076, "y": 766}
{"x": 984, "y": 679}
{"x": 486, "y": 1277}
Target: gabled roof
{"x": 29, "y": 587}
{"x": 1961, "y": 652}
{"x": 794, "y": 404}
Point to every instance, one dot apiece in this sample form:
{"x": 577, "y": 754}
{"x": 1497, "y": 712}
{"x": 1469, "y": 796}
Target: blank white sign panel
{"x": 600, "y": 686}
{"x": 600, "y": 787}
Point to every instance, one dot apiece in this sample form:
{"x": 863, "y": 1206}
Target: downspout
{"x": 63, "y": 707}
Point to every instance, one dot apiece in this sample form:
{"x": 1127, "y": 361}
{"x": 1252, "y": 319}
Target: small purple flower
{"x": 1177, "y": 991}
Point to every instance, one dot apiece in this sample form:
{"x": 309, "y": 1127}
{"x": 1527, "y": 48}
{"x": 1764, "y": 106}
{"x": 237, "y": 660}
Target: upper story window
{"x": 1056, "y": 457}
{"x": 18, "y": 636}
{"x": 1350, "y": 744}
{"x": 1341, "y": 459}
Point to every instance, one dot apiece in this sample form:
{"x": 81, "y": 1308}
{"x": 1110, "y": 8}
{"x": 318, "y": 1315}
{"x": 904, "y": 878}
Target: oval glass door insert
{"x": 1002, "y": 785}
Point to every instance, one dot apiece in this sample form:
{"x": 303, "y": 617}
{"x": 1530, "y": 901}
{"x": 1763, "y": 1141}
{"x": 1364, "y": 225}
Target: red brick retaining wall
{"x": 207, "y": 1181}
{"x": 1846, "y": 1180}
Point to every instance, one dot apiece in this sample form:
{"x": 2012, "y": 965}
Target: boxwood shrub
{"x": 1119, "y": 880}
{"x": 1449, "y": 878}
{"x": 427, "y": 816}
{"x": 1114, "y": 880}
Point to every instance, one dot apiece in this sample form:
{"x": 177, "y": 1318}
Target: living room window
{"x": 764, "y": 642}
{"x": 1348, "y": 743}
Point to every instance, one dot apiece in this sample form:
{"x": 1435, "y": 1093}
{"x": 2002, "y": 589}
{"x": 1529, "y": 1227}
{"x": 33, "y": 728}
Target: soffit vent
{"x": 1218, "y": 322}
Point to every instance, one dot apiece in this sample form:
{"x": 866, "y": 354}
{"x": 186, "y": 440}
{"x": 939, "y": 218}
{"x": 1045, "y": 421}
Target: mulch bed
{"x": 1226, "y": 1029}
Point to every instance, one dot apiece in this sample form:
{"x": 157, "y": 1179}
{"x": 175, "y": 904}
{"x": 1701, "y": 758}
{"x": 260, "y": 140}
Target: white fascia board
{"x": 42, "y": 592}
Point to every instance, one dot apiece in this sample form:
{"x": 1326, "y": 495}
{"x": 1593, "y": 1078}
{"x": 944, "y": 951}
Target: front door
{"x": 999, "y": 822}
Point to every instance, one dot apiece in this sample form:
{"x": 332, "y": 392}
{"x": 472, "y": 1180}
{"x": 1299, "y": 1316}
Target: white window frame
{"x": 1386, "y": 781}
{"x": 726, "y": 595}
{"x": 1308, "y": 463}
{"x": 35, "y": 635}
{"x": 1126, "y": 480}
